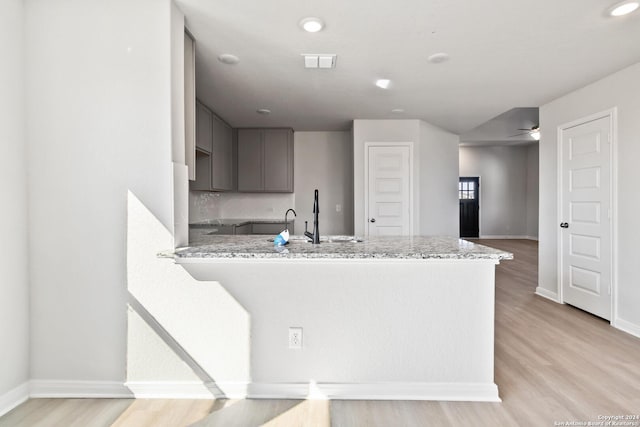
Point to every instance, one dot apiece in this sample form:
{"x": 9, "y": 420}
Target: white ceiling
{"x": 504, "y": 129}
{"x": 504, "y": 54}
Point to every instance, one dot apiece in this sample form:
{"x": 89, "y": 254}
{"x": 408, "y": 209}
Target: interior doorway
{"x": 469, "y": 195}
{"x": 586, "y": 214}
{"x": 389, "y": 189}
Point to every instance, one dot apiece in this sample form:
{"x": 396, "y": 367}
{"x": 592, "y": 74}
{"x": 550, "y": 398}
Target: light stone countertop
{"x": 416, "y": 247}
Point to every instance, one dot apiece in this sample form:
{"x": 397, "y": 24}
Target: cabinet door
{"x": 190, "y": 104}
{"x": 278, "y": 160}
{"x": 243, "y": 229}
{"x": 268, "y": 228}
{"x": 250, "y": 164}
{"x": 204, "y": 129}
{"x": 203, "y": 172}
{"x": 221, "y": 156}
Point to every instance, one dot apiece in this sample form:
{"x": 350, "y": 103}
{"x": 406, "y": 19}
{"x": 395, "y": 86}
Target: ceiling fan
{"x": 533, "y": 132}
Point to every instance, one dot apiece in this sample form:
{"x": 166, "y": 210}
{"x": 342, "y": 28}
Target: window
{"x": 467, "y": 190}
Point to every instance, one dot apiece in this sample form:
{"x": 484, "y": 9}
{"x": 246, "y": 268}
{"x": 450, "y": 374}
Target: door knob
{"x": 372, "y": 220}
{"x": 564, "y": 225}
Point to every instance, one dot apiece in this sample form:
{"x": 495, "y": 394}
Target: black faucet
{"x": 286, "y": 222}
{"x": 315, "y": 236}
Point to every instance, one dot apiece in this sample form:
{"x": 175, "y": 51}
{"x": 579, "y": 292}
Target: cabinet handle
{"x": 564, "y": 225}
{"x": 372, "y": 220}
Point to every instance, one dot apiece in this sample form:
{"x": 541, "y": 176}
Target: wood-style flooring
{"x": 554, "y": 363}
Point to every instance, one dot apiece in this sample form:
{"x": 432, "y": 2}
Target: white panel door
{"x": 389, "y": 195}
{"x": 586, "y": 216}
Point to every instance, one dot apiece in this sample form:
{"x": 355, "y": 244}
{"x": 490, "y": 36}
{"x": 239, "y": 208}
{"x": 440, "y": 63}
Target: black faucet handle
{"x": 316, "y": 207}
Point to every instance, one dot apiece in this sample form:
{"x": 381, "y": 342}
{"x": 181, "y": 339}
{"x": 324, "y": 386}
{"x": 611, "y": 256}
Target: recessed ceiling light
{"x": 438, "y": 58}
{"x": 227, "y": 58}
{"x": 398, "y": 110}
{"x": 312, "y": 25}
{"x": 623, "y": 8}
{"x": 383, "y": 83}
{"x": 263, "y": 111}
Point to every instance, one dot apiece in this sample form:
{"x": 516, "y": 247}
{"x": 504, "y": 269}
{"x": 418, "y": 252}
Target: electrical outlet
{"x": 295, "y": 338}
{"x": 338, "y": 208}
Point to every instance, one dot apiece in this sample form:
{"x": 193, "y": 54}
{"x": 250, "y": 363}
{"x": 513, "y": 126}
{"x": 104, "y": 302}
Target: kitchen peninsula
{"x": 383, "y": 318}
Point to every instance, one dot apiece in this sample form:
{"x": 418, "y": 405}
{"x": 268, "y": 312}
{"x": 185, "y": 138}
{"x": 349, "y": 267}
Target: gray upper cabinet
{"x": 278, "y": 160}
{"x": 250, "y": 153}
{"x": 190, "y": 104}
{"x": 214, "y": 152}
{"x": 265, "y": 160}
{"x": 204, "y": 118}
{"x": 222, "y": 156}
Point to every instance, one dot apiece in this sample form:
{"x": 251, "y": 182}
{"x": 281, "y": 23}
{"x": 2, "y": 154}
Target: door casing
{"x": 479, "y": 198}
{"x": 612, "y": 113}
{"x": 412, "y": 204}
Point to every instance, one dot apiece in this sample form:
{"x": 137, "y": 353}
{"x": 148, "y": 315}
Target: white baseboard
{"x": 626, "y": 326}
{"x": 471, "y": 392}
{"x": 546, "y": 293}
{"x": 172, "y": 390}
{"x": 78, "y": 389}
{"x": 14, "y": 397}
{"x": 498, "y": 237}
{"x": 234, "y": 390}
{"x": 480, "y": 392}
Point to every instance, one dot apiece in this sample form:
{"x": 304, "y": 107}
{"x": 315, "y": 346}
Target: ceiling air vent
{"x": 314, "y": 60}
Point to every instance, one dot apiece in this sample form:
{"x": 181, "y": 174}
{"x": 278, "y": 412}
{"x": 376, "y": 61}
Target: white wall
{"x": 324, "y": 160}
{"x": 620, "y": 90}
{"x": 99, "y": 107}
{"x": 14, "y": 283}
{"x": 371, "y": 328}
{"x": 438, "y": 171}
{"x": 435, "y": 172}
{"x": 533, "y": 180}
{"x": 508, "y": 188}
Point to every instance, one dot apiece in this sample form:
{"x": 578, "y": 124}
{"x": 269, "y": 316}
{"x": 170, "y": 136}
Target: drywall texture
{"x": 622, "y": 91}
{"x": 438, "y": 171}
{"x": 508, "y": 174}
{"x": 178, "y": 323}
{"x": 99, "y": 106}
{"x": 324, "y": 161}
{"x": 533, "y": 179}
{"x": 365, "y": 322}
{"x": 435, "y": 172}
{"x": 14, "y": 283}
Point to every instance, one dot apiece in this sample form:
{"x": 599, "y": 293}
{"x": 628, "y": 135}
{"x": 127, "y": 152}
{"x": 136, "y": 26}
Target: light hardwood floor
{"x": 554, "y": 363}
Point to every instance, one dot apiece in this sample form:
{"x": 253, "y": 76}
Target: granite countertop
{"x": 416, "y": 247}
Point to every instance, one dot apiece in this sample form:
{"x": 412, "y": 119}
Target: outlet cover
{"x": 295, "y": 338}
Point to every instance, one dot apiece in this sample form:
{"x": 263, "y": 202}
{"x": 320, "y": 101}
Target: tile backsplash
{"x": 205, "y": 205}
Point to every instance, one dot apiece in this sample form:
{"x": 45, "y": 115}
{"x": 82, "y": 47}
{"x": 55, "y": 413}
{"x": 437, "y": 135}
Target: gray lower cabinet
{"x": 243, "y": 229}
{"x": 214, "y": 152}
{"x": 270, "y": 228}
{"x": 265, "y": 160}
